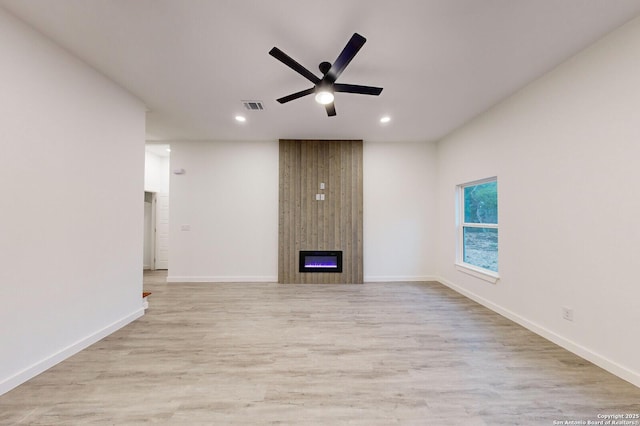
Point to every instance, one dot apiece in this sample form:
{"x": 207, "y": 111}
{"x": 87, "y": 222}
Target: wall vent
{"x": 253, "y": 105}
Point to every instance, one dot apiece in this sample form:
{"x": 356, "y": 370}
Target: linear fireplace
{"x": 320, "y": 261}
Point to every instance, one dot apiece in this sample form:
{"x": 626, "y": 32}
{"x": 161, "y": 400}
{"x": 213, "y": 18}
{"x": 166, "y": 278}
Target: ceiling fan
{"x": 325, "y": 87}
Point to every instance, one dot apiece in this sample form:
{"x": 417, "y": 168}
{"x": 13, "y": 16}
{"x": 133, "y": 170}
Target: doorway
{"x": 148, "y": 259}
{"x": 156, "y": 206}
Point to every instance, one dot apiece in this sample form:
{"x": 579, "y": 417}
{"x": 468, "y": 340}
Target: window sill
{"x": 483, "y": 274}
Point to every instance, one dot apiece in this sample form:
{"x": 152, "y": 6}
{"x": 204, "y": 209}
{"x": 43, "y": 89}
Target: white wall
{"x": 399, "y": 212}
{"x": 565, "y": 150}
{"x": 229, "y": 199}
{"x": 71, "y": 210}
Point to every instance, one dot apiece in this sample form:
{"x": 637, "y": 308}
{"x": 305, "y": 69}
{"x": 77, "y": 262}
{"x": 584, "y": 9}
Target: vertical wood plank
{"x": 312, "y": 217}
{"x": 336, "y": 183}
{"x": 357, "y": 212}
{"x": 282, "y": 182}
{"x": 332, "y": 224}
{"x": 349, "y": 211}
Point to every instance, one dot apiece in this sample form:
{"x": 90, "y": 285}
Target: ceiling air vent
{"x": 253, "y": 105}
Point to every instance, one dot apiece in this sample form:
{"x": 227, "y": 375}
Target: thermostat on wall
{"x": 179, "y": 171}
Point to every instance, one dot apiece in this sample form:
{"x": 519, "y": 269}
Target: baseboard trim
{"x": 39, "y": 367}
{"x": 583, "y": 352}
{"x": 274, "y": 279}
{"x": 223, "y": 279}
{"x": 397, "y": 278}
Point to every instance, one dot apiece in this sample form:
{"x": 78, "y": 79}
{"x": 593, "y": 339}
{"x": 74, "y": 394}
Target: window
{"x": 478, "y": 226}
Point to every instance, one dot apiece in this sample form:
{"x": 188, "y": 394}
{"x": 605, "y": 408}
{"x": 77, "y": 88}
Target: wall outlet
{"x": 567, "y": 313}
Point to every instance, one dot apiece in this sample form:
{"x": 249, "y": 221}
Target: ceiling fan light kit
{"x": 325, "y": 87}
{"x": 324, "y": 97}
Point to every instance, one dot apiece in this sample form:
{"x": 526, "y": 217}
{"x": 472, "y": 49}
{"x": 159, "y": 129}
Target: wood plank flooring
{"x": 372, "y": 354}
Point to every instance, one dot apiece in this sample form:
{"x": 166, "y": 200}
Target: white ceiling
{"x": 441, "y": 62}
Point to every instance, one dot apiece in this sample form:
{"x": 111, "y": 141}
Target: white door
{"x": 147, "y": 259}
{"x": 162, "y": 231}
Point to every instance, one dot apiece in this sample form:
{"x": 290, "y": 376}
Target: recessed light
{"x": 168, "y": 149}
{"x": 240, "y": 118}
{"x": 385, "y": 119}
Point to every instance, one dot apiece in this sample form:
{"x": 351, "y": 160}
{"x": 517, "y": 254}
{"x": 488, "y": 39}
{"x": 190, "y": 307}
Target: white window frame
{"x": 476, "y": 271}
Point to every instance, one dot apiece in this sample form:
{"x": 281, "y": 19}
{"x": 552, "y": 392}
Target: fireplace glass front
{"x": 320, "y": 261}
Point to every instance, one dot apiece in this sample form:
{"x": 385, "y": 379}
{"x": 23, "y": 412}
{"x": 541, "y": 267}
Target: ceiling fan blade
{"x": 356, "y": 88}
{"x": 353, "y": 46}
{"x": 331, "y": 109}
{"x": 296, "y": 95}
{"x": 291, "y": 63}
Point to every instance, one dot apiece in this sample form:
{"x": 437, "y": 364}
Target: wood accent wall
{"x": 332, "y": 224}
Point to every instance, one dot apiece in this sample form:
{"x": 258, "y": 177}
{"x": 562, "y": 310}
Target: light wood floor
{"x": 372, "y": 354}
